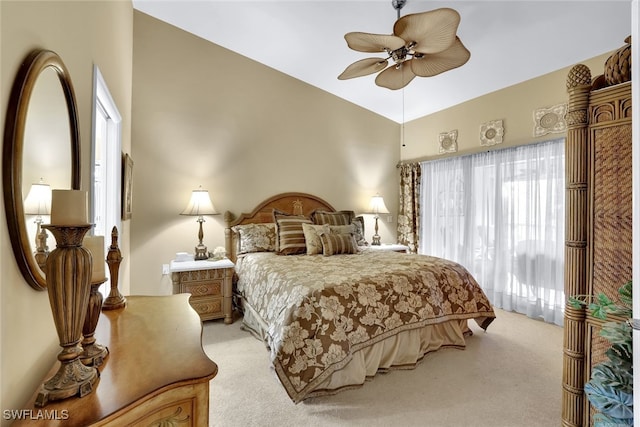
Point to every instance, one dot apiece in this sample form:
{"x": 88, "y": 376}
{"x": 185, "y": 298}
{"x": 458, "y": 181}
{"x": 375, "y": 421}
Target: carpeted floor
{"x": 509, "y": 376}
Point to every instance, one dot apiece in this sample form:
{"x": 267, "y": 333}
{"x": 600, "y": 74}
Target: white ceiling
{"x": 510, "y": 41}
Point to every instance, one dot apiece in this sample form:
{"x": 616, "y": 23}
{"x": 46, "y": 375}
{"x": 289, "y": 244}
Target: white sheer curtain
{"x": 501, "y": 215}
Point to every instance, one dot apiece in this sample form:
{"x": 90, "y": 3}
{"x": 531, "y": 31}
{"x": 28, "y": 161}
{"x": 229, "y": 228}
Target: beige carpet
{"x": 509, "y": 376}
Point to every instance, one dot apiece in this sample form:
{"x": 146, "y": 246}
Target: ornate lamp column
{"x": 68, "y": 271}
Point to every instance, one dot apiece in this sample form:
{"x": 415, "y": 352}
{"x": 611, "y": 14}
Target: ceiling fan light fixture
{"x": 423, "y": 44}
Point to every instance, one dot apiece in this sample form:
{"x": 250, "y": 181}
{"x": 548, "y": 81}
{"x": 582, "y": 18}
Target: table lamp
{"x": 38, "y": 203}
{"x": 376, "y": 207}
{"x": 199, "y": 205}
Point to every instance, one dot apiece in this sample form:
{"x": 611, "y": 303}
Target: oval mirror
{"x": 41, "y": 142}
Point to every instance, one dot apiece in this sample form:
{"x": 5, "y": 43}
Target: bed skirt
{"x": 401, "y": 351}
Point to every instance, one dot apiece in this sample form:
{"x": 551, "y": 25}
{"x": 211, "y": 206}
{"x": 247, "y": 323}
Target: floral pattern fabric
{"x": 256, "y": 237}
{"x": 320, "y": 310}
{"x": 409, "y": 212}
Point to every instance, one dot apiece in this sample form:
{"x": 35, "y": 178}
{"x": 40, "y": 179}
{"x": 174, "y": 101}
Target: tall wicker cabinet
{"x": 598, "y": 247}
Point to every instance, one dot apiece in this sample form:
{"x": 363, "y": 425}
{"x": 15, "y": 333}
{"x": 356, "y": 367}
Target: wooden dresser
{"x": 156, "y": 372}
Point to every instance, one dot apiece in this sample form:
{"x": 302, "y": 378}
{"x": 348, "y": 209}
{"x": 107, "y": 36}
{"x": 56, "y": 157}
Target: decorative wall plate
{"x": 550, "y": 120}
{"x": 491, "y": 133}
{"x": 448, "y": 142}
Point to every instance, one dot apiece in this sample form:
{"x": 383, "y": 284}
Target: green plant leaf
{"x": 617, "y": 333}
{"x": 577, "y": 301}
{"x": 601, "y": 420}
{"x": 621, "y": 356}
{"x": 626, "y": 293}
{"x": 608, "y": 374}
{"x": 609, "y": 400}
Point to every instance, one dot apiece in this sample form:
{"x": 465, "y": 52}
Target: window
{"x": 107, "y": 163}
{"x": 501, "y": 215}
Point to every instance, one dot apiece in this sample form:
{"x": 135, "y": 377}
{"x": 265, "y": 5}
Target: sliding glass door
{"x": 501, "y": 215}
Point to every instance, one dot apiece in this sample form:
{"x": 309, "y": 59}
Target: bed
{"x": 334, "y": 313}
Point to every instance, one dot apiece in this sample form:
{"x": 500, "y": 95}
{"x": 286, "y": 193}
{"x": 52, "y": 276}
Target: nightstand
{"x": 390, "y": 247}
{"x": 209, "y": 283}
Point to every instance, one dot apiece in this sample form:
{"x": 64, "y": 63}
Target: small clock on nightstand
{"x": 209, "y": 283}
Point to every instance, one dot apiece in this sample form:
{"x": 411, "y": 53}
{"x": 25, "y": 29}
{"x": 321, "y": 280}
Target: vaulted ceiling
{"x": 510, "y": 42}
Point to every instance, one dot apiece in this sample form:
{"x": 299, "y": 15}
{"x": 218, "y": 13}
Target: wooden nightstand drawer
{"x": 207, "y": 307}
{"x": 198, "y": 289}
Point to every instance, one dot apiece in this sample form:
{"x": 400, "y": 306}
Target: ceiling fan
{"x": 422, "y": 44}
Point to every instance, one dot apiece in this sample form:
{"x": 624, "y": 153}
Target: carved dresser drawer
{"x": 209, "y": 283}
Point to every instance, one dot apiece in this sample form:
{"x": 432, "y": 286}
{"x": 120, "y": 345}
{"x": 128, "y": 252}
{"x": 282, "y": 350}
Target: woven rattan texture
{"x": 618, "y": 66}
{"x": 612, "y": 215}
{"x": 599, "y": 346}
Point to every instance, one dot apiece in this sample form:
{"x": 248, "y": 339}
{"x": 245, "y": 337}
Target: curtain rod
{"x": 472, "y": 151}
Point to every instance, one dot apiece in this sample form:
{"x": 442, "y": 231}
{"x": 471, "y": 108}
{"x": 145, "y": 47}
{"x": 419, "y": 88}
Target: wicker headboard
{"x": 294, "y": 203}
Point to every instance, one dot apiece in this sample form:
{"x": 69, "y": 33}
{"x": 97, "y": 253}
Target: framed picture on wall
{"x": 127, "y": 176}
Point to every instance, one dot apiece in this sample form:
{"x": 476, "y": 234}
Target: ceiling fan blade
{"x": 431, "y": 65}
{"x": 432, "y": 31}
{"x": 363, "y": 67}
{"x": 365, "y": 42}
{"x": 395, "y": 77}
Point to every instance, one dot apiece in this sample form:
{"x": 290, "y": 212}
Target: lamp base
{"x": 375, "y": 239}
{"x": 201, "y": 253}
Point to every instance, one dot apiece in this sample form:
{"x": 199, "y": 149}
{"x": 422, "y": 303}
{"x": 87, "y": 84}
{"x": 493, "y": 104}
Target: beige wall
{"x": 83, "y": 34}
{"x": 206, "y": 116}
{"x": 513, "y": 105}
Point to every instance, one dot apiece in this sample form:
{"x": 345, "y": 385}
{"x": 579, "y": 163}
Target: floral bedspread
{"x": 320, "y": 310}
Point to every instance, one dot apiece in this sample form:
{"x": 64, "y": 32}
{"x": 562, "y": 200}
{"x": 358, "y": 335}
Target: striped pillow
{"x": 334, "y": 244}
{"x": 290, "y": 234}
{"x": 332, "y": 218}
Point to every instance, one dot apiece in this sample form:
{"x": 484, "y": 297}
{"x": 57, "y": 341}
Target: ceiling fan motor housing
{"x": 398, "y": 4}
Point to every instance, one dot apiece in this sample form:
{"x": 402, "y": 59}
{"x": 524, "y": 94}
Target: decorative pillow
{"x": 334, "y": 243}
{"x": 290, "y": 236}
{"x": 332, "y": 218}
{"x": 358, "y": 223}
{"x": 256, "y": 237}
{"x": 312, "y": 237}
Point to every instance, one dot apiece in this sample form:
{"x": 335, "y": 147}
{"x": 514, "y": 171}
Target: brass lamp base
{"x": 375, "y": 239}
{"x": 201, "y": 253}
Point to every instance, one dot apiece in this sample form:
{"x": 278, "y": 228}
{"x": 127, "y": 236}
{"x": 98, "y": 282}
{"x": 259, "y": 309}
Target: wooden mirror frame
{"x": 30, "y": 69}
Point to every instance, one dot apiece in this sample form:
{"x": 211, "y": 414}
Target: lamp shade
{"x": 200, "y": 204}
{"x": 377, "y": 205}
{"x": 38, "y": 201}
